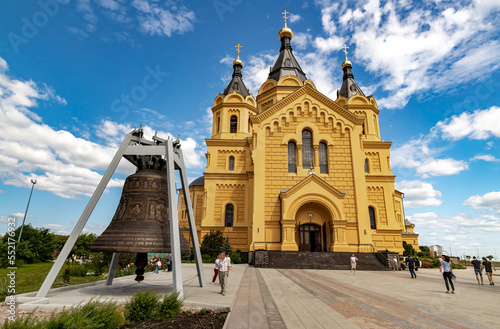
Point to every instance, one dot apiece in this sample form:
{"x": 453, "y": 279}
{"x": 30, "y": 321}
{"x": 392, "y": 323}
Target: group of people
{"x": 157, "y": 261}
{"x": 446, "y": 269}
{"x": 478, "y": 269}
{"x": 221, "y": 269}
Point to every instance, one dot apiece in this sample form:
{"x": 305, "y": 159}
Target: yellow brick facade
{"x": 273, "y": 205}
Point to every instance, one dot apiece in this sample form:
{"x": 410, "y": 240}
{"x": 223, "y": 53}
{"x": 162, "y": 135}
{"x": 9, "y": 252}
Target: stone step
{"x": 318, "y": 260}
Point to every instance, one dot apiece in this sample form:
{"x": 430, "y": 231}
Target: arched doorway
{"x": 310, "y": 237}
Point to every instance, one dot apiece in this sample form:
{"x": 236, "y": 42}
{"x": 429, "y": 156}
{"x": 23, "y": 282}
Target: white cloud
{"x": 441, "y": 167}
{"x": 419, "y": 194}
{"x": 301, "y": 40}
{"x": 20, "y": 215}
{"x": 459, "y": 232}
{"x": 57, "y": 229}
{"x": 489, "y": 201}
{"x": 481, "y": 124}
{"x": 294, "y": 18}
{"x": 155, "y": 19}
{"x": 427, "y": 49}
{"x": 328, "y": 45}
{"x": 485, "y": 157}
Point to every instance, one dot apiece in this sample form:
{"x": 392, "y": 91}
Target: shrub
{"x": 78, "y": 270}
{"x": 94, "y": 314}
{"x": 236, "y": 258}
{"x": 169, "y": 307}
{"x": 207, "y": 259}
{"x": 21, "y": 323}
{"x": 66, "y": 274}
{"x": 141, "y": 306}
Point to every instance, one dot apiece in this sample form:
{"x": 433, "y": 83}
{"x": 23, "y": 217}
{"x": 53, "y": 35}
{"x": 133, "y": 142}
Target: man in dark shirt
{"x": 410, "y": 263}
{"x": 477, "y": 269}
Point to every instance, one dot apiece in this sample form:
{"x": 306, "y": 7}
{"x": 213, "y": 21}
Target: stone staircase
{"x": 319, "y": 260}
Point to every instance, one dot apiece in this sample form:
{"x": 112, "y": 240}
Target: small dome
{"x": 346, "y": 63}
{"x": 285, "y": 32}
{"x": 200, "y": 181}
{"x": 238, "y": 61}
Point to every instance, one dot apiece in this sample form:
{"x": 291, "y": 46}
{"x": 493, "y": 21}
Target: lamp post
{"x": 26, "y": 212}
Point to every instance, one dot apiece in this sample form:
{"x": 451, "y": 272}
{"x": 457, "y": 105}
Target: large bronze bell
{"x": 140, "y": 224}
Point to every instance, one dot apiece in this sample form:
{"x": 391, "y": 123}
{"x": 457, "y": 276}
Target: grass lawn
{"x": 29, "y": 277}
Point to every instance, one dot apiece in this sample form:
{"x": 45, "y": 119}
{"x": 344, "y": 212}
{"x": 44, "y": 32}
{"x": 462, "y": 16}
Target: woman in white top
{"x": 446, "y": 270}
{"x": 216, "y": 269}
{"x": 353, "y": 264}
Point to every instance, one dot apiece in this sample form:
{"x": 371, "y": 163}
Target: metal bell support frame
{"x": 135, "y": 145}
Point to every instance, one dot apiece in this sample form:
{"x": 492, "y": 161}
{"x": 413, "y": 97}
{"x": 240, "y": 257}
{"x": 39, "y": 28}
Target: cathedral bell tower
{"x": 232, "y": 108}
{"x": 351, "y": 97}
{"x": 285, "y": 76}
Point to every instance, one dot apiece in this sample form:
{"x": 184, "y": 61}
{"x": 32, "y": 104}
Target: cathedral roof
{"x": 200, "y": 181}
{"x": 286, "y": 63}
{"x": 349, "y": 87}
{"x": 236, "y": 83}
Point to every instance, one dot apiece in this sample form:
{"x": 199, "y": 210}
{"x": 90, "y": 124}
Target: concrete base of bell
{"x": 124, "y": 287}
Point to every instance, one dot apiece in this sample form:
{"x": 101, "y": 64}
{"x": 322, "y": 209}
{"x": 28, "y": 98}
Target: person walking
{"x": 446, "y": 266}
{"x": 156, "y": 261}
{"x": 353, "y": 264}
{"x": 224, "y": 267}
{"x": 478, "y": 270}
{"x": 216, "y": 269}
{"x": 410, "y": 263}
{"x": 487, "y": 265}
{"x": 169, "y": 262}
{"x": 395, "y": 264}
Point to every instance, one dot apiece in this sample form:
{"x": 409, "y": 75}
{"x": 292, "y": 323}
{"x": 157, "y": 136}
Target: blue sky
{"x": 77, "y": 75}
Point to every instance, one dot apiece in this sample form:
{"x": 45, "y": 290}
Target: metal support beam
{"x": 112, "y": 268}
{"x": 134, "y": 144}
{"x": 174, "y": 221}
{"x": 56, "y": 268}
{"x": 192, "y": 223}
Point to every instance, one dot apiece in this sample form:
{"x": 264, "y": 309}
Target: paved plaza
{"x": 274, "y": 298}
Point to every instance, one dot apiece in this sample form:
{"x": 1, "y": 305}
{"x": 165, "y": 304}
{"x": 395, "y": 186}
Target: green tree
{"x": 213, "y": 243}
{"x": 409, "y": 251}
{"x": 35, "y": 246}
{"x": 226, "y": 247}
{"x": 490, "y": 257}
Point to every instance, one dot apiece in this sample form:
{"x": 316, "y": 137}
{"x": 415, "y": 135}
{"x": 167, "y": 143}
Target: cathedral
{"x": 293, "y": 170}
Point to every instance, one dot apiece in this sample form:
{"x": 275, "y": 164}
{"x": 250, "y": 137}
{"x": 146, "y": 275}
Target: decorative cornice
{"x": 224, "y": 176}
{"x": 306, "y": 90}
{"x": 231, "y": 151}
{"x": 309, "y": 179}
{"x": 379, "y": 178}
{"x": 227, "y": 142}
{"x": 376, "y": 145}
{"x": 234, "y": 105}
{"x": 230, "y": 185}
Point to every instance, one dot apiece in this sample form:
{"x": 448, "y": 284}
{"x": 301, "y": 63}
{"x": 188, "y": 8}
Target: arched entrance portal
{"x": 310, "y": 237}
{"x": 312, "y": 233}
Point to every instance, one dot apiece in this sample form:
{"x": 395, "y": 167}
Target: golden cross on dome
{"x": 238, "y": 49}
{"x": 284, "y": 15}
{"x": 345, "y": 51}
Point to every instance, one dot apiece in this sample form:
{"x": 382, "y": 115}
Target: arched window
{"x": 373, "y": 222}
{"x": 231, "y": 163}
{"x": 218, "y": 123}
{"x": 367, "y": 169}
{"x": 307, "y": 149}
{"x": 323, "y": 158}
{"x": 229, "y": 215}
{"x": 292, "y": 157}
{"x": 234, "y": 124}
